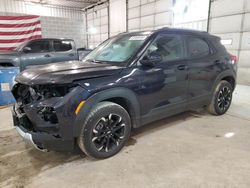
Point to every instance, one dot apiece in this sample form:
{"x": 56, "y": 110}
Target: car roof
{"x": 53, "y": 39}
{"x": 174, "y": 31}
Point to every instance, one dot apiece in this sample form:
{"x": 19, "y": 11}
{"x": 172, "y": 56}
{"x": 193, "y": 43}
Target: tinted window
{"x": 39, "y": 46}
{"x": 62, "y": 46}
{"x": 197, "y": 47}
{"x": 169, "y": 46}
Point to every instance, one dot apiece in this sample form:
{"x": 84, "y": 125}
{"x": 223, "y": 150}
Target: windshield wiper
{"x": 94, "y": 61}
{"x": 98, "y": 61}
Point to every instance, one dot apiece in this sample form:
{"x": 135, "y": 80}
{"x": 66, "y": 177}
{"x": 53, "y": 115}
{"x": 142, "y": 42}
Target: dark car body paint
{"x": 65, "y": 72}
{"x": 151, "y": 93}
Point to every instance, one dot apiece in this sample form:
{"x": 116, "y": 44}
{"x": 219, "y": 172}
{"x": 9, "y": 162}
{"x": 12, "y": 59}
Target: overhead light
{"x": 92, "y": 30}
{"x": 226, "y": 41}
{"x": 229, "y": 135}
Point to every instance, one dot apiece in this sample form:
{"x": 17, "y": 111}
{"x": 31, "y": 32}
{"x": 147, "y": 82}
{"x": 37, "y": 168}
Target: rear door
{"x": 64, "y": 50}
{"x": 202, "y": 70}
{"x": 40, "y": 53}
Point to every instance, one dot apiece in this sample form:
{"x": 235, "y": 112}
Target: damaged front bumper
{"x": 40, "y": 140}
{"x": 28, "y": 138}
{"x": 49, "y": 124}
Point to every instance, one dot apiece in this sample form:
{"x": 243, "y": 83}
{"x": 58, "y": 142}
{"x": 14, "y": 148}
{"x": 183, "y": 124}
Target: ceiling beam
{"x": 64, "y": 3}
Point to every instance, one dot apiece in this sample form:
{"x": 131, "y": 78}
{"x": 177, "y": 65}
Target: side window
{"x": 62, "y": 46}
{"x": 170, "y": 47}
{"x": 197, "y": 47}
{"x": 39, "y": 46}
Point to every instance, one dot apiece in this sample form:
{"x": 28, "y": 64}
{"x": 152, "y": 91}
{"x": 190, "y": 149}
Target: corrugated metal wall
{"x": 55, "y": 27}
{"x": 117, "y": 16}
{"x": 149, "y": 14}
{"x": 22, "y": 7}
{"x": 97, "y": 25}
{"x": 230, "y": 20}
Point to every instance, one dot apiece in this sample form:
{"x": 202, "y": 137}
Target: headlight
{"x": 26, "y": 94}
{"x": 46, "y": 92}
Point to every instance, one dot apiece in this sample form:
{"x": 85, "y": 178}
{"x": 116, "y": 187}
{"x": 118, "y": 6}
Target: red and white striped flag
{"x": 14, "y": 30}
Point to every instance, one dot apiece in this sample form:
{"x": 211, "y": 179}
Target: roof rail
{"x": 163, "y": 28}
{"x": 122, "y": 32}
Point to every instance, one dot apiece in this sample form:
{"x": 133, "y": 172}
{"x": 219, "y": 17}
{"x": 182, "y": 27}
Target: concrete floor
{"x": 187, "y": 150}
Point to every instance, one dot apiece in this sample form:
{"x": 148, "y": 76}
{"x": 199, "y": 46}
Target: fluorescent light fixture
{"x": 229, "y": 135}
{"x": 226, "y": 41}
{"x": 92, "y": 30}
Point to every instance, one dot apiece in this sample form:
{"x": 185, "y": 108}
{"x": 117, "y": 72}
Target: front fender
{"x": 105, "y": 95}
{"x": 15, "y": 61}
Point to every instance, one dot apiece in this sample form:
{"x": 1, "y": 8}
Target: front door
{"x": 164, "y": 86}
{"x": 39, "y": 53}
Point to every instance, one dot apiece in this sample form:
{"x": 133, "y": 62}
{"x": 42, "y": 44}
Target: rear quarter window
{"x": 197, "y": 47}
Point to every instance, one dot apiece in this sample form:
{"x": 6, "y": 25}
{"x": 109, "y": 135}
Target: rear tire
{"x": 105, "y": 131}
{"x": 222, "y": 98}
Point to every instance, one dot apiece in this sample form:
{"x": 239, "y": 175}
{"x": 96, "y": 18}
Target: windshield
{"x": 118, "y": 49}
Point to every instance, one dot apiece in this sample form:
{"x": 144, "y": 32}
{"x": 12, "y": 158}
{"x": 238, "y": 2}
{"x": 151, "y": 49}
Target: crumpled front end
{"x": 45, "y": 115}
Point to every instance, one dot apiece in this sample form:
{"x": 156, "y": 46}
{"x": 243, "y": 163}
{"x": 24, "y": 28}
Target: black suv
{"x": 127, "y": 81}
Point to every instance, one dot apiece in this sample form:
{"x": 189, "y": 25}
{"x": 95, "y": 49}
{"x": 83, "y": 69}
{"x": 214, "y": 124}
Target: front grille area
{"x": 34, "y": 116}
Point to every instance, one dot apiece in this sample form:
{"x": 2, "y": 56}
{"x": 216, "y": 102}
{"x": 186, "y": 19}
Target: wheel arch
{"x": 121, "y": 96}
{"x": 127, "y": 105}
{"x": 228, "y": 75}
{"x": 230, "y": 79}
{"x": 10, "y": 61}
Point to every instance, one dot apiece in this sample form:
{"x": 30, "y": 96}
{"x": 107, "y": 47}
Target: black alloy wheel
{"x": 224, "y": 98}
{"x": 108, "y": 133}
{"x": 221, "y": 99}
{"x": 105, "y": 130}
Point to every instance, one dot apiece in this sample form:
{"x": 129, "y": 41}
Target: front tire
{"x": 221, "y": 99}
{"x": 105, "y": 131}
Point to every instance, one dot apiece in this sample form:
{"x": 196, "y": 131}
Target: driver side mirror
{"x": 26, "y": 49}
{"x": 151, "y": 59}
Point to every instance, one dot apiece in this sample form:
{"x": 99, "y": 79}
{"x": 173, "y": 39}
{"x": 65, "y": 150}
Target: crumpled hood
{"x": 65, "y": 72}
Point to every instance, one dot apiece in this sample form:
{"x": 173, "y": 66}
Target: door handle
{"x": 71, "y": 55}
{"x": 47, "y": 55}
{"x": 182, "y": 67}
{"x": 217, "y": 61}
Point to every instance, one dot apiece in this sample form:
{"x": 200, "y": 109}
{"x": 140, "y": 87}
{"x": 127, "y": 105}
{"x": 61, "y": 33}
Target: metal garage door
{"x": 232, "y": 24}
{"x": 97, "y": 25}
{"x": 149, "y": 14}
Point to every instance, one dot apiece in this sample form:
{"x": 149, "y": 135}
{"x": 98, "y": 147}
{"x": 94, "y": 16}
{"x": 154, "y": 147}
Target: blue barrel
{"x": 7, "y": 77}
